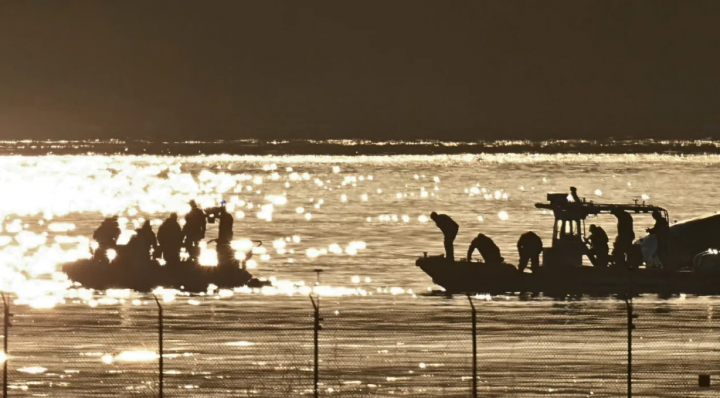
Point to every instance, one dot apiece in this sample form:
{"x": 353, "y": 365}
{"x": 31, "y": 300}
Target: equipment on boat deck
{"x": 562, "y": 271}
{"x": 568, "y": 241}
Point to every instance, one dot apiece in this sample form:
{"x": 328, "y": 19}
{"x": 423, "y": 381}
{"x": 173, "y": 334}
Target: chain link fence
{"x": 365, "y": 348}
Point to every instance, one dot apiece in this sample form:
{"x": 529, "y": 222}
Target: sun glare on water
{"x": 299, "y": 206}
{"x": 39, "y": 233}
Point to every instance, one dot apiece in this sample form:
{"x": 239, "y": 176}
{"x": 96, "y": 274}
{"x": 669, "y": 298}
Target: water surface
{"x": 363, "y": 220}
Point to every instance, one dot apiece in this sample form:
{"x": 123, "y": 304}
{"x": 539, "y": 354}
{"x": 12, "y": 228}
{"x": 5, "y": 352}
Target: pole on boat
{"x": 6, "y": 326}
{"x": 316, "y": 332}
{"x": 474, "y": 342}
{"x": 161, "y": 375}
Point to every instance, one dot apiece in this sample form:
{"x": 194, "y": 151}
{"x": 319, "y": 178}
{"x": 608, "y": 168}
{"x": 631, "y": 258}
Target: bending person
{"x": 599, "y": 246}
{"x": 450, "y": 229}
{"x": 106, "y": 236}
{"x": 529, "y": 248}
{"x": 487, "y": 248}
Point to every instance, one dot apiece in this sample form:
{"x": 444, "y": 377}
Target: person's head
{"x": 193, "y": 204}
{"x": 573, "y": 189}
{"x": 433, "y": 216}
{"x": 593, "y": 228}
{"x": 146, "y": 224}
{"x": 173, "y": 216}
{"x": 656, "y": 215}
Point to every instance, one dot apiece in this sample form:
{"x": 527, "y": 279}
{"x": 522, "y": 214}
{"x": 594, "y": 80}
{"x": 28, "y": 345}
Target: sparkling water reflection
{"x": 361, "y": 219}
{"x": 369, "y": 213}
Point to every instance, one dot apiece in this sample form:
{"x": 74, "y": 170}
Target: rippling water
{"x": 363, "y": 220}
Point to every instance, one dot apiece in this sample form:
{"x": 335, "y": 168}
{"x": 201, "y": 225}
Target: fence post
{"x": 316, "y": 329}
{"x": 161, "y": 364}
{"x": 474, "y": 343}
{"x": 630, "y": 327}
{"x": 6, "y": 326}
{"x": 316, "y": 333}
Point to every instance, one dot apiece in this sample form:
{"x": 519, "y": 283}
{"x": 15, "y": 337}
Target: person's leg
{"x": 194, "y": 250}
{"x": 602, "y": 256}
{"x": 449, "y": 249}
{"x": 618, "y": 254}
{"x": 523, "y": 263}
{"x": 535, "y": 262}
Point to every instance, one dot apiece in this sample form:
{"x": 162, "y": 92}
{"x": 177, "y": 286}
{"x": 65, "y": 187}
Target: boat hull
{"x": 145, "y": 276}
{"x": 477, "y": 277}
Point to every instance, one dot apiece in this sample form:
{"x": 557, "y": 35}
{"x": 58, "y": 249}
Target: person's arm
{"x": 471, "y": 249}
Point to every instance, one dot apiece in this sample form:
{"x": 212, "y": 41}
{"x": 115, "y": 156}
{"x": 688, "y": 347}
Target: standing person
{"x": 145, "y": 240}
{"x": 170, "y": 237}
{"x": 194, "y": 229}
{"x": 529, "y": 248}
{"x": 225, "y": 227}
{"x": 489, "y": 251}
{"x": 599, "y": 246}
{"x": 625, "y": 237}
{"x": 661, "y": 231}
{"x": 449, "y": 229}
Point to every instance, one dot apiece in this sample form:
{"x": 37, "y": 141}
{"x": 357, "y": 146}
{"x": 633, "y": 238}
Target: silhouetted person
{"x": 573, "y": 193}
{"x": 599, "y": 246}
{"x": 194, "y": 229}
{"x": 529, "y": 248}
{"x": 143, "y": 241}
{"x": 625, "y": 237}
{"x": 487, "y": 248}
{"x": 106, "y": 236}
{"x": 225, "y": 227}
{"x": 449, "y": 229}
{"x": 170, "y": 237}
{"x": 661, "y": 231}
